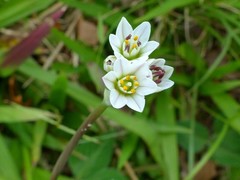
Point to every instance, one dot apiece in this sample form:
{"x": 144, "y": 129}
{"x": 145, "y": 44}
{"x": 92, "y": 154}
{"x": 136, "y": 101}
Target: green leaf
{"x": 191, "y": 56}
{"x": 127, "y": 149}
{"x": 97, "y": 158}
{"x": 227, "y": 68}
{"x": 42, "y": 174}
{"x": 211, "y": 88}
{"x": 27, "y": 163}
{"x": 228, "y": 153}
{"x": 164, "y": 8}
{"x": 166, "y": 144}
{"x": 39, "y": 132}
{"x": 14, "y": 10}
{"x": 111, "y": 16}
{"x": 230, "y": 108}
{"x": 227, "y": 104}
{"x": 107, "y": 173}
{"x": 8, "y": 169}
{"x": 17, "y": 113}
{"x": 201, "y": 137}
{"x": 58, "y": 92}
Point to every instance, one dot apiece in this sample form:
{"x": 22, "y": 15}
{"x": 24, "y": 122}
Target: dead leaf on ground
{"x": 208, "y": 172}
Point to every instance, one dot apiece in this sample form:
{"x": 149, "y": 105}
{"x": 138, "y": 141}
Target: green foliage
{"x": 14, "y": 10}
{"x": 9, "y": 170}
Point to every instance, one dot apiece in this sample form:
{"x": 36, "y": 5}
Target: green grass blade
{"x": 8, "y": 169}
{"x": 14, "y": 10}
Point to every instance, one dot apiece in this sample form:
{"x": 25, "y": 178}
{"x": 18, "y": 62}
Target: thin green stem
{"x": 208, "y": 154}
{"x": 74, "y": 140}
{"x": 215, "y": 64}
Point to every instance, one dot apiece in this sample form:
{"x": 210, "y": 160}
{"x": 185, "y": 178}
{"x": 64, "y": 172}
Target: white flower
{"x": 128, "y": 83}
{"x": 132, "y": 44}
{"x": 109, "y": 62}
{"x": 160, "y": 73}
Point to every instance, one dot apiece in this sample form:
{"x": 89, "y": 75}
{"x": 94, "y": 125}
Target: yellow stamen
{"x": 125, "y": 88}
{"x": 127, "y": 77}
{"x": 135, "y": 38}
{"x": 134, "y": 45}
{"x": 134, "y": 78}
{"x": 136, "y": 83}
{"x": 133, "y": 90}
{"x": 127, "y": 42}
{"x": 121, "y": 81}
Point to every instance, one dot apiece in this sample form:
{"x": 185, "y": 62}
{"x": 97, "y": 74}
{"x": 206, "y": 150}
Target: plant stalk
{"x": 74, "y": 140}
{"x": 208, "y": 154}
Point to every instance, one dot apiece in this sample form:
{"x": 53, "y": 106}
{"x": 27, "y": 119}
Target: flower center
{"x": 131, "y": 46}
{"x": 157, "y": 73}
{"x": 128, "y": 84}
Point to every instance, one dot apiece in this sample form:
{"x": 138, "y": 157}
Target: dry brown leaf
{"x": 208, "y": 171}
{"x": 87, "y": 32}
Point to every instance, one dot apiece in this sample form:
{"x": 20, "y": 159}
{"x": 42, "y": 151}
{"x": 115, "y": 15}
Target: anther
{"x": 133, "y": 90}
{"x": 125, "y": 88}
{"x": 134, "y": 78}
{"x": 121, "y": 81}
{"x": 127, "y": 48}
{"x": 139, "y": 43}
{"x": 135, "y": 38}
{"x": 128, "y": 37}
{"x": 127, "y": 77}
{"x": 136, "y": 83}
{"x": 109, "y": 62}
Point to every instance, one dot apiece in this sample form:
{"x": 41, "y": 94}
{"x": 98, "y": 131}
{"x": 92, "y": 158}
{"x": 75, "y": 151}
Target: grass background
{"x": 191, "y": 130}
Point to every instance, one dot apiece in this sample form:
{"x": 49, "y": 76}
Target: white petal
{"x": 168, "y": 72}
{"x": 150, "y": 61}
{"x": 158, "y": 62}
{"x": 119, "y": 67}
{"x": 149, "y": 48}
{"x": 115, "y": 43}
{"x": 109, "y": 80}
{"x": 143, "y": 71}
{"x": 136, "y": 102}
{"x": 123, "y": 67}
{"x": 119, "y": 55}
{"x": 117, "y": 100}
{"x": 143, "y": 32}
{"x": 123, "y": 29}
{"x": 164, "y": 85}
{"x": 146, "y": 86}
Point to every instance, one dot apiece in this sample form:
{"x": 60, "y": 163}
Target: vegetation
{"x": 47, "y": 89}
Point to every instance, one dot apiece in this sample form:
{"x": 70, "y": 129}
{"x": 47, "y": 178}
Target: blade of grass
{"x": 14, "y": 10}
{"x": 8, "y": 170}
{"x": 215, "y": 64}
{"x": 164, "y": 8}
{"x": 168, "y": 142}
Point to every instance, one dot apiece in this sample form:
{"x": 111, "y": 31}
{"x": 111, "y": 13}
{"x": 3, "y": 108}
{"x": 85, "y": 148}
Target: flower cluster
{"x": 131, "y": 75}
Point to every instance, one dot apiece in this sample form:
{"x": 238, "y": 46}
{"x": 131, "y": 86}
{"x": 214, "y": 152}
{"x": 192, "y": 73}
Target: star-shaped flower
{"x": 161, "y": 73}
{"x": 132, "y": 44}
{"x": 128, "y": 83}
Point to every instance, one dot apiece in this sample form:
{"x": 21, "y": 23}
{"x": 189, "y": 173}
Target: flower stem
{"x": 208, "y": 154}
{"x": 74, "y": 140}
